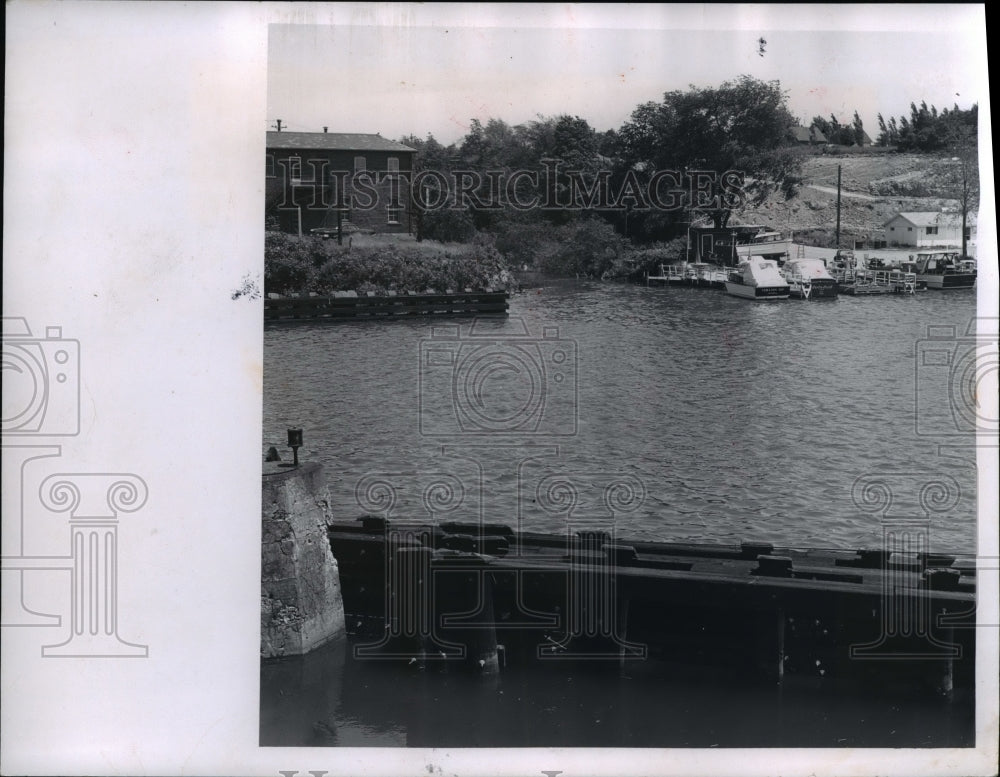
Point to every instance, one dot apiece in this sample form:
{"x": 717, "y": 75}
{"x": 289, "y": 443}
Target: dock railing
{"x": 894, "y": 280}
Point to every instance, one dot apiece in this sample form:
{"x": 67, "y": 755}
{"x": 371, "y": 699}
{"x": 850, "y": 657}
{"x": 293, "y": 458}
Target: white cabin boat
{"x": 765, "y": 243}
{"x": 757, "y": 279}
{"x": 809, "y": 279}
{"x": 945, "y": 269}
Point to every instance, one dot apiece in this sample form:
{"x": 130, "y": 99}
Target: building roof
{"x": 808, "y": 134}
{"x": 933, "y": 218}
{"x": 333, "y": 141}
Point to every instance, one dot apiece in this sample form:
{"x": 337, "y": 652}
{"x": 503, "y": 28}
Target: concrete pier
{"x": 300, "y": 601}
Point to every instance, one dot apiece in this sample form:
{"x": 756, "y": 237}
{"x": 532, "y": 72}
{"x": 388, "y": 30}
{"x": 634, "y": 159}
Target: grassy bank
{"x": 380, "y": 264}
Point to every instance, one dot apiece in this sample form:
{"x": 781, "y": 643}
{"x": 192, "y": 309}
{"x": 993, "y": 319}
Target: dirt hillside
{"x": 874, "y": 188}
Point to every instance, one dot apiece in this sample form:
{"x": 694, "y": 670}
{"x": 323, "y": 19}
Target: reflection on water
{"x": 740, "y": 421}
{"x": 743, "y": 421}
{"x": 328, "y": 698}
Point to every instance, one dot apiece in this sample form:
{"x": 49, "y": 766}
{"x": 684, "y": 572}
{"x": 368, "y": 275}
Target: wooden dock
{"x": 485, "y": 595}
{"x": 338, "y": 308}
{"x": 867, "y": 282}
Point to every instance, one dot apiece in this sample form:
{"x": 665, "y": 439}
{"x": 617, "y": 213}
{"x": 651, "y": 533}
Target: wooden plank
{"x": 306, "y": 308}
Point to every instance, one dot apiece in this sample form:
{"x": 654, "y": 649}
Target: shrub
{"x": 290, "y": 267}
{"x": 649, "y": 260}
{"x": 448, "y": 226}
{"x": 526, "y": 242}
{"x": 288, "y": 263}
{"x": 590, "y": 248}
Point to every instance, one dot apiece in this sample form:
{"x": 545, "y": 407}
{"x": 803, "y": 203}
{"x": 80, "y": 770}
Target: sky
{"x": 406, "y": 74}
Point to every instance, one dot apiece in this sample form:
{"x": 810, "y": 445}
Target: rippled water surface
{"x": 729, "y": 420}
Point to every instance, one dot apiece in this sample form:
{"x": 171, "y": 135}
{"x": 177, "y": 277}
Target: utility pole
{"x": 838, "y": 207}
{"x": 278, "y": 125}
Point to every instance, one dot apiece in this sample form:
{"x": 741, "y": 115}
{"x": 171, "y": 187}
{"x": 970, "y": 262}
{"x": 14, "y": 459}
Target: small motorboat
{"x": 809, "y": 279}
{"x": 757, "y": 279}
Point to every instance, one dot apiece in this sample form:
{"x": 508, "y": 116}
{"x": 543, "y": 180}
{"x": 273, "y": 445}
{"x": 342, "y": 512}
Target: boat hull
{"x": 759, "y": 293}
{"x": 950, "y": 281}
{"x": 826, "y": 291}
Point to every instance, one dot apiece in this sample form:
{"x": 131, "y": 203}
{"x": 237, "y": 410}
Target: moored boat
{"x": 809, "y": 279}
{"x": 765, "y": 243}
{"x": 945, "y": 269}
{"x": 757, "y": 279}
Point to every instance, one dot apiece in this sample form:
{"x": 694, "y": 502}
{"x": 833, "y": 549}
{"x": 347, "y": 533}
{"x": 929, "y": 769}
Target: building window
{"x": 269, "y": 166}
{"x": 909, "y": 229}
{"x": 393, "y": 167}
{"x": 295, "y": 169}
{"x": 892, "y": 229}
{"x": 394, "y": 215}
{"x": 359, "y": 164}
{"x": 931, "y": 230}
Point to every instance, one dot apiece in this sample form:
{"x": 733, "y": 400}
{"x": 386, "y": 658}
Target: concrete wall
{"x": 300, "y": 601}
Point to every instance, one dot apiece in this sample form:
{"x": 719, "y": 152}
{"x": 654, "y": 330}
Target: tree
{"x": 963, "y": 145}
{"x": 858, "y": 128}
{"x": 926, "y": 129}
{"x": 741, "y": 126}
{"x": 431, "y": 155}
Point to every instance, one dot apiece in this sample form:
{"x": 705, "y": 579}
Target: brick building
{"x": 312, "y": 179}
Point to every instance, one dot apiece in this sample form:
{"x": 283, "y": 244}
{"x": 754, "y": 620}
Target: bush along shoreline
{"x": 588, "y": 249}
{"x": 307, "y": 265}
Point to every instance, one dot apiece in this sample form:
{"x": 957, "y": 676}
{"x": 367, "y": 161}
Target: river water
{"x": 677, "y": 414}
{"x": 657, "y": 413}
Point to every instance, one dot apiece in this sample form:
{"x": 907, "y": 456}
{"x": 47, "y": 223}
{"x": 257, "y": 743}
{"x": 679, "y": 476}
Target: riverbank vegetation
{"x": 295, "y": 264}
{"x": 380, "y": 264}
{"x": 926, "y": 162}
{"x": 557, "y": 196}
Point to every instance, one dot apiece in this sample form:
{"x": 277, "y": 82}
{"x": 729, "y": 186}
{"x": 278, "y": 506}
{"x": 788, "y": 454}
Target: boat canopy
{"x": 762, "y": 272}
{"x": 936, "y": 260}
{"x": 806, "y": 268}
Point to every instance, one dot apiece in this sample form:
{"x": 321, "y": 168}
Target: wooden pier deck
{"x": 418, "y": 591}
{"x": 876, "y": 282}
{"x": 314, "y": 307}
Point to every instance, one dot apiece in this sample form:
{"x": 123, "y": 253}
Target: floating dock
{"x": 874, "y": 282}
{"x": 690, "y": 275}
{"x": 353, "y": 306}
{"x": 485, "y": 596}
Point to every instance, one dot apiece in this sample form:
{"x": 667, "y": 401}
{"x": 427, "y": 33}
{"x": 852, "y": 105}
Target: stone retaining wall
{"x": 301, "y": 605}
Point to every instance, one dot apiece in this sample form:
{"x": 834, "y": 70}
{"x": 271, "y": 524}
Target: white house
{"x": 930, "y": 228}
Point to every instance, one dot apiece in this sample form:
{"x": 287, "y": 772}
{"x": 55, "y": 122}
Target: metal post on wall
{"x": 838, "y": 206}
